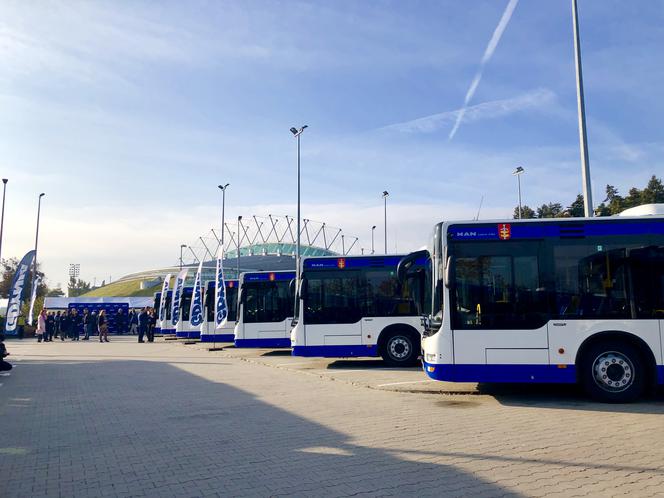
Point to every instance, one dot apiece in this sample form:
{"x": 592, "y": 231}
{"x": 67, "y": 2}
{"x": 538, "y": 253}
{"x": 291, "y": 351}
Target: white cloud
{"x": 535, "y": 99}
{"x": 488, "y": 53}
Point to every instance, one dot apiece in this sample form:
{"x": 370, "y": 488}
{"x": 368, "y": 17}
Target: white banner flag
{"x": 196, "y": 310}
{"x": 220, "y": 305}
{"x": 33, "y": 298}
{"x": 177, "y": 297}
{"x": 162, "y": 299}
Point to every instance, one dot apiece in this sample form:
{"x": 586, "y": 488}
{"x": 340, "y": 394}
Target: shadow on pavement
{"x": 565, "y": 397}
{"x": 278, "y": 352}
{"x": 369, "y": 365}
{"x": 148, "y": 427}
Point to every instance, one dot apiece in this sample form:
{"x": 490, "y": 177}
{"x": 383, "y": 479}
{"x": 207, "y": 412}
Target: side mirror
{"x": 447, "y": 269}
{"x": 407, "y": 262}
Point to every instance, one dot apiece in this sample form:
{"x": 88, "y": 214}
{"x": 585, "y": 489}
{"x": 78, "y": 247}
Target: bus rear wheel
{"x": 400, "y": 349}
{"x": 613, "y": 372}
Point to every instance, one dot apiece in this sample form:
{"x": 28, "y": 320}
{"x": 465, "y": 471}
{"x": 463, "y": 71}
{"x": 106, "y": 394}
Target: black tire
{"x": 400, "y": 349}
{"x": 613, "y": 372}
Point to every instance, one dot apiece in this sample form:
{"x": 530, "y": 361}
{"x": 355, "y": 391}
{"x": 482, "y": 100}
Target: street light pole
{"x": 385, "y": 194}
{"x": 373, "y": 229}
{"x": 182, "y": 246}
{"x": 34, "y": 268}
{"x": 518, "y": 172}
{"x": 223, "y": 207}
{"x": 296, "y": 133}
{"x": 583, "y": 137}
{"x": 239, "y": 219}
{"x": 2, "y": 219}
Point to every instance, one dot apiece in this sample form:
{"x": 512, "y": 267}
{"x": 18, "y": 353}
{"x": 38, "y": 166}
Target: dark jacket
{"x": 143, "y": 319}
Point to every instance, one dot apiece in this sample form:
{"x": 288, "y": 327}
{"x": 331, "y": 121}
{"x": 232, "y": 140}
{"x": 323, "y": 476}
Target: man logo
{"x": 341, "y": 263}
{"x": 272, "y": 277}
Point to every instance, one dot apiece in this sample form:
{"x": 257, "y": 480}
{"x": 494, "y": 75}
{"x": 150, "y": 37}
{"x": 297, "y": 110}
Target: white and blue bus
{"x": 558, "y": 301}
{"x": 208, "y": 331}
{"x": 155, "y": 307}
{"x": 184, "y": 329}
{"x": 355, "y": 306}
{"x": 165, "y": 326}
{"x": 265, "y": 310}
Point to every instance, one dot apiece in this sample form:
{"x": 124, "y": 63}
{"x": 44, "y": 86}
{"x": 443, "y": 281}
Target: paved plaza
{"x": 168, "y": 419}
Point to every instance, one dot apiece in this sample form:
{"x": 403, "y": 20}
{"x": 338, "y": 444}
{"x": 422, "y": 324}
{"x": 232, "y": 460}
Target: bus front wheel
{"x": 400, "y": 349}
{"x": 613, "y": 372}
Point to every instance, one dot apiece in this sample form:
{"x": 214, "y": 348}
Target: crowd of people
{"x": 70, "y": 324}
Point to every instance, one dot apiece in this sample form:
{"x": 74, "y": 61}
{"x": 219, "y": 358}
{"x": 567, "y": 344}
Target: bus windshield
{"x": 346, "y": 295}
{"x": 266, "y": 301}
{"x": 231, "y": 302}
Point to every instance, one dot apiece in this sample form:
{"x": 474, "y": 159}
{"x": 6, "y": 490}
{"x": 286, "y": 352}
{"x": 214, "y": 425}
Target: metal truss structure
{"x": 271, "y": 235}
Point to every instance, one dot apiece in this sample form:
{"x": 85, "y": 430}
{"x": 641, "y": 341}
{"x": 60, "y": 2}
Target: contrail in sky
{"x": 488, "y": 53}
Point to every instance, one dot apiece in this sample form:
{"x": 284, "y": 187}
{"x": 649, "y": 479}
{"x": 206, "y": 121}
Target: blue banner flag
{"x": 177, "y": 296}
{"x": 220, "y": 305}
{"x": 16, "y": 291}
{"x": 162, "y": 299}
{"x": 196, "y": 310}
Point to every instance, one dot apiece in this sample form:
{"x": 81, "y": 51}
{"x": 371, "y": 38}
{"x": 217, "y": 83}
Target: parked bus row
{"x": 352, "y": 306}
{"x": 577, "y": 300}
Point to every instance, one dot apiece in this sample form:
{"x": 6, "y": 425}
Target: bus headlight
{"x": 430, "y": 357}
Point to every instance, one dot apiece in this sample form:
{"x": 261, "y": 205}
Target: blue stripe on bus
{"x": 229, "y": 284}
{"x": 168, "y": 331}
{"x": 660, "y": 374}
{"x": 350, "y": 263}
{"x": 269, "y": 276}
{"x": 553, "y": 229}
{"x": 192, "y": 334}
{"x": 263, "y": 343}
{"x": 335, "y": 351}
{"x": 217, "y": 337}
{"x": 501, "y": 373}
{"x": 157, "y": 330}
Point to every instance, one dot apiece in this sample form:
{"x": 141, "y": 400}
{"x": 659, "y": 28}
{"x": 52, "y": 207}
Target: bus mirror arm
{"x": 448, "y": 266}
{"x": 407, "y": 262}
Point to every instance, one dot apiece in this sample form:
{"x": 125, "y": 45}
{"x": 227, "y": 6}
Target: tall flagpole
{"x": 34, "y": 268}
{"x": 583, "y": 138}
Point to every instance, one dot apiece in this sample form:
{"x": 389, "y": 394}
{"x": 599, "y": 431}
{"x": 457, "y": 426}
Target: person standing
{"x": 65, "y": 324}
{"x": 103, "y": 326}
{"x": 86, "y": 321}
{"x": 41, "y": 325}
{"x": 133, "y": 322}
{"x": 57, "y": 323}
{"x": 90, "y": 326}
{"x": 5, "y": 366}
{"x": 76, "y": 323}
{"x": 120, "y": 322}
{"x": 143, "y": 322}
{"x": 152, "y": 314}
{"x": 50, "y": 326}
{"x": 20, "y": 324}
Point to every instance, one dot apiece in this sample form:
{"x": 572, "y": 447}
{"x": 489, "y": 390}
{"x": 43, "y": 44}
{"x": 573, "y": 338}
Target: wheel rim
{"x": 399, "y": 348}
{"x": 613, "y": 372}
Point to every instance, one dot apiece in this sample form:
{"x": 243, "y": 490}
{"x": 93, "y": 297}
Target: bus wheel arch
{"x": 620, "y": 347}
{"x": 399, "y": 345}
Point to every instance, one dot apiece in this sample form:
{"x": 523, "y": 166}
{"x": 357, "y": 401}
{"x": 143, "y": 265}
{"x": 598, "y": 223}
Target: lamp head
{"x": 42, "y": 195}
{"x": 5, "y": 180}
{"x": 182, "y": 246}
{"x": 373, "y": 227}
{"x": 293, "y": 130}
{"x": 385, "y": 193}
{"x": 518, "y": 170}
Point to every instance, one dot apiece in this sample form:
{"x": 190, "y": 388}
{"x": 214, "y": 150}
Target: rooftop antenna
{"x": 477, "y": 216}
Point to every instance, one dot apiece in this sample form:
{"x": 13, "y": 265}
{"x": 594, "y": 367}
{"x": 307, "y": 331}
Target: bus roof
{"x": 553, "y": 227}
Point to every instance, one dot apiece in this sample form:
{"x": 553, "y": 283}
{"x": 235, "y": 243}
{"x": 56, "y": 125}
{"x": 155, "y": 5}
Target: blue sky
{"x": 128, "y": 114}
